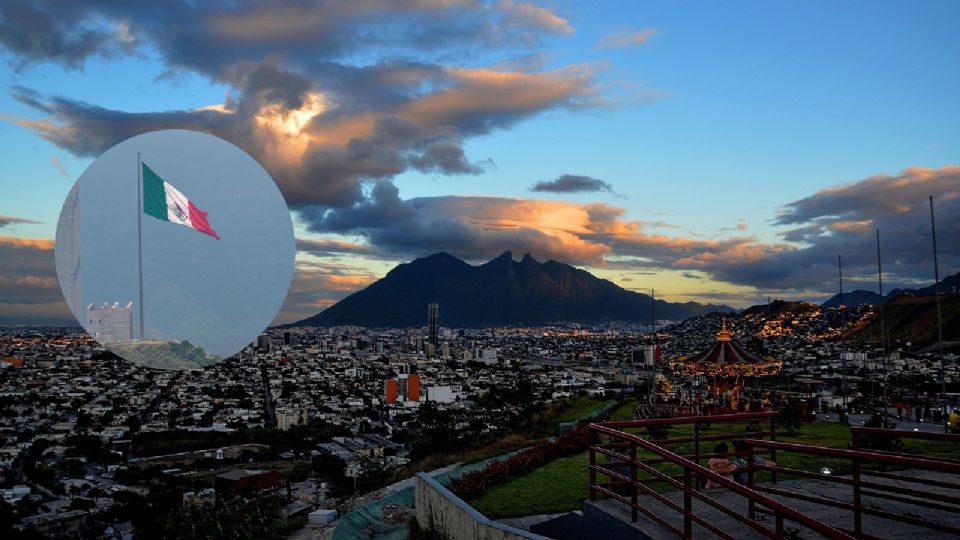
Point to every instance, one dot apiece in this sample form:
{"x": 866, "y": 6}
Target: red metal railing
{"x": 619, "y": 462}
{"x": 860, "y": 466}
{"x": 622, "y": 466}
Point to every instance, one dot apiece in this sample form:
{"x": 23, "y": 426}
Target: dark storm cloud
{"x": 60, "y": 31}
{"x": 8, "y": 221}
{"x": 572, "y": 183}
{"x": 335, "y": 248}
{"x": 842, "y": 221}
{"x": 208, "y": 36}
{"x": 321, "y": 122}
{"x": 478, "y": 228}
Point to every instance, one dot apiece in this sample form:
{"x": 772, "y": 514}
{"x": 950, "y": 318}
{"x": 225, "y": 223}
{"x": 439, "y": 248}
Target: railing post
{"x": 593, "y": 474}
{"x": 857, "y": 503}
{"x": 773, "y": 453}
{"x": 687, "y": 504}
{"x": 779, "y": 524}
{"x": 751, "y": 504}
{"x": 634, "y": 514}
{"x": 696, "y": 449}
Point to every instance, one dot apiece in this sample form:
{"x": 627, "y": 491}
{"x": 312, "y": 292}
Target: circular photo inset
{"x": 174, "y": 249}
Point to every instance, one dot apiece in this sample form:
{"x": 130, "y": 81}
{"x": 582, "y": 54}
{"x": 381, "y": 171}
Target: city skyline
{"x": 722, "y": 156}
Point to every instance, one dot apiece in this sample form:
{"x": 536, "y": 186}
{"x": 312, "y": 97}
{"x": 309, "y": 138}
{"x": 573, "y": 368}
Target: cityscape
{"x": 321, "y": 420}
{"x": 479, "y": 270}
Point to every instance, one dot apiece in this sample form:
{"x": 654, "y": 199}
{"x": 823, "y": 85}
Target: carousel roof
{"x": 726, "y": 359}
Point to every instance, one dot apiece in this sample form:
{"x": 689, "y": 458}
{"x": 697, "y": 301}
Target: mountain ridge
{"x": 502, "y": 291}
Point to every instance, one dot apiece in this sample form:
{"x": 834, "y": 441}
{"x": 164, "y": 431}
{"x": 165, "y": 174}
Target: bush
{"x": 791, "y": 415}
{"x": 885, "y": 444}
{"x": 478, "y": 482}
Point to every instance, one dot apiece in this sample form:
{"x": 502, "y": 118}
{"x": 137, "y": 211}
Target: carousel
{"x": 720, "y": 377}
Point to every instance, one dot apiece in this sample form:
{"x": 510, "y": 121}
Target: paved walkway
{"x": 907, "y": 424}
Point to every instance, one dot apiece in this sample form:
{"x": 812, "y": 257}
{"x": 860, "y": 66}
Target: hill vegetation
{"x": 164, "y": 354}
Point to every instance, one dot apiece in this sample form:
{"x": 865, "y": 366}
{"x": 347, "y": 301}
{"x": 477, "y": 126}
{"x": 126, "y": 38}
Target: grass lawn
{"x": 578, "y": 406}
{"x": 562, "y": 485}
{"x": 543, "y": 425}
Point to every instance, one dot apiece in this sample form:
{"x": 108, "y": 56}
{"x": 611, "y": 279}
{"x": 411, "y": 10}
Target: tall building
{"x": 413, "y": 388}
{"x": 407, "y": 386}
{"x": 110, "y": 323}
{"x": 391, "y": 391}
{"x": 263, "y": 342}
{"x": 433, "y": 323}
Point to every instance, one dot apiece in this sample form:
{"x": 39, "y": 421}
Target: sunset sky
{"x": 715, "y": 151}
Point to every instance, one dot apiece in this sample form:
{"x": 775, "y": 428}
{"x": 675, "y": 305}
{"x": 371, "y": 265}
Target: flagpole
{"x": 140, "y": 239}
{"x": 653, "y": 330}
{"x": 883, "y": 326}
{"x": 843, "y": 357}
{"x": 936, "y": 292}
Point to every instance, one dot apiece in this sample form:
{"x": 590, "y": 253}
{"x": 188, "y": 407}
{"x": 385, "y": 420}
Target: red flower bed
{"x": 478, "y": 482}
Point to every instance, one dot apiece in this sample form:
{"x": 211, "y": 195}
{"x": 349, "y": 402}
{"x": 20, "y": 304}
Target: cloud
{"x": 57, "y": 164}
{"x": 9, "y": 221}
{"x": 524, "y": 14}
{"x": 818, "y": 228}
{"x": 478, "y": 228}
{"x": 28, "y": 275}
{"x": 333, "y": 248}
{"x": 571, "y": 183}
{"x": 315, "y": 287}
{"x": 842, "y": 220}
{"x": 320, "y": 121}
{"x": 62, "y": 31}
{"x": 626, "y": 37}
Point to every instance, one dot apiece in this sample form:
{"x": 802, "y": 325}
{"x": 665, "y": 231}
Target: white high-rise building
{"x": 110, "y": 323}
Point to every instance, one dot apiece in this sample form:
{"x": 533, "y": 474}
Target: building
{"x": 441, "y": 394}
{"x": 433, "y": 323}
{"x": 413, "y": 387}
{"x": 487, "y": 356}
{"x": 287, "y": 418}
{"x": 646, "y": 355}
{"x": 198, "y": 498}
{"x": 391, "y": 390}
{"x": 110, "y": 324}
{"x": 246, "y": 482}
{"x": 263, "y": 342}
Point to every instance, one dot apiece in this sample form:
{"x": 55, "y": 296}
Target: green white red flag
{"x": 163, "y": 201}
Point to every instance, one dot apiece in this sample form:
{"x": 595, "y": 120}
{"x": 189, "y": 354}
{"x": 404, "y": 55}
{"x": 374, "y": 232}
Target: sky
{"x": 716, "y": 152}
{"x": 217, "y": 294}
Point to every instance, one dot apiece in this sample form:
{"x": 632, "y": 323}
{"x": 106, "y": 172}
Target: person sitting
{"x": 954, "y": 421}
{"x": 720, "y": 465}
{"x": 741, "y": 476}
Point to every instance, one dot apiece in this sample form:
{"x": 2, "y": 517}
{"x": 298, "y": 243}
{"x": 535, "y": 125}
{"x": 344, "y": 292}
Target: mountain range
{"x": 857, "y": 297}
{"x": 502, "y": 291}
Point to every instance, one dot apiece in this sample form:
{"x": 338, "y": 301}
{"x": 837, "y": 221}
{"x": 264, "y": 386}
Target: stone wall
{"x": 438, "y": 508}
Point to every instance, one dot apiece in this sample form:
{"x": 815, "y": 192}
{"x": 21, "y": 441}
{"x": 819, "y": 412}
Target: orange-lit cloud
{"x": 28, "y": 277}
{"x": 45, "y": 244}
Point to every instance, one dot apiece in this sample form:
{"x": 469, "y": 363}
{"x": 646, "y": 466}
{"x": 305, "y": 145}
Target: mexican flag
{"x": 163, "y": 201}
